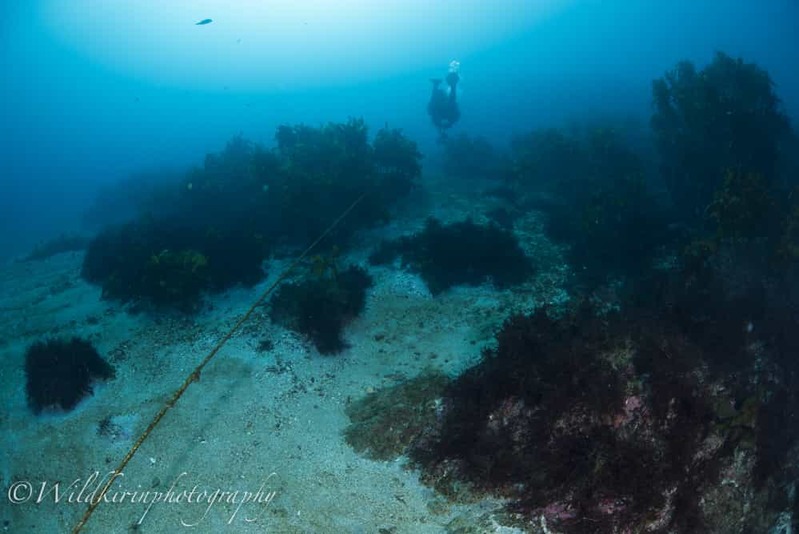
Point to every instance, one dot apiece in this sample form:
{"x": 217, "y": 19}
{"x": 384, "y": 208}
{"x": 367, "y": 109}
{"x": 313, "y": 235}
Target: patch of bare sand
{"x": 265, "y": 422}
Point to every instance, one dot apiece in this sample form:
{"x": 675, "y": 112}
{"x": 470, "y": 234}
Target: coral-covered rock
{"x": 726, "y": 116}
{"x": 607, "y": 424}
{"x": 462, "y": 253}
{"x": 320, "y": 305}
{"x": 388, "y": 421}
{"x": 219, "y": 224}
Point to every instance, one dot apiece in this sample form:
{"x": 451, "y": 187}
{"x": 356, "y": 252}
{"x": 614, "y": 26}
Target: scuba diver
{"x": 443, "y": 106}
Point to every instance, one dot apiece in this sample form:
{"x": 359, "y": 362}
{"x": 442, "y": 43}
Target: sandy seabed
{"x": 263, "y": 426}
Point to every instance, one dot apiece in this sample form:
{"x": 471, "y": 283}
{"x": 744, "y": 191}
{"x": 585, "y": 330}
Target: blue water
{"x": 93, "y": 92}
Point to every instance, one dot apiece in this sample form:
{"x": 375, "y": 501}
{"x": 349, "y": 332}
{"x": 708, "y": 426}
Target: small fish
{"x": 204, "y": 22}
